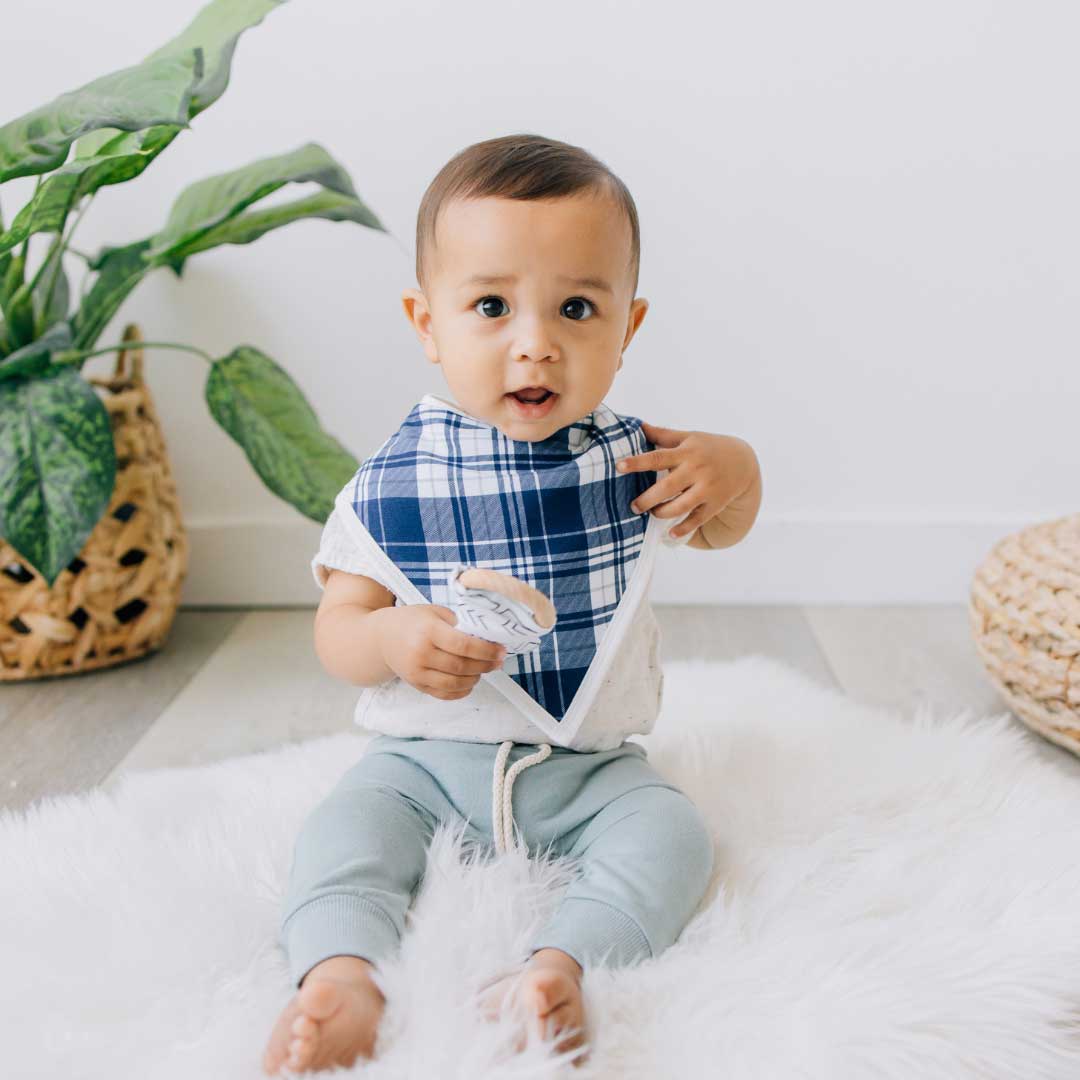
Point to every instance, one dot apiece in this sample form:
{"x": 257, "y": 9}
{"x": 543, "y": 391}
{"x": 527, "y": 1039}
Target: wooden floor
{"x": 233, "y": 682}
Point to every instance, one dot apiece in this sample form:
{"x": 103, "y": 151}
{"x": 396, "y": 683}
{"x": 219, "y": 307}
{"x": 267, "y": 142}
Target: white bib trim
{"x": 560, "y": 732}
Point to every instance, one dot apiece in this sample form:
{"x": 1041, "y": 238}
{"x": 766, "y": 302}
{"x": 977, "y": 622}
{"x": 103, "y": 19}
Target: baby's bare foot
{"x": 332, "y": 1019}
{"x": 548, "y": 989}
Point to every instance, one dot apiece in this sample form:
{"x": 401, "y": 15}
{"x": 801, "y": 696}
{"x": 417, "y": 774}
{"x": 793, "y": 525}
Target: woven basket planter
{"x": 116, "y": 601}
{"x": 1025, "y": 618}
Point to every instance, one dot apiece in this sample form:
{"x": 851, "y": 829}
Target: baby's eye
{"x": 575, "y": 300}
{"x": 490, "y": 300}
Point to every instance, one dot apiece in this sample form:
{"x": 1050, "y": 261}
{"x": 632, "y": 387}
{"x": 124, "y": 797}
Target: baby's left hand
{"x": 707, "y": 474}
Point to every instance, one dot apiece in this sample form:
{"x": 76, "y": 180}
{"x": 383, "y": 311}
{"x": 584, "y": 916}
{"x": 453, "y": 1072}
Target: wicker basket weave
{"x": 116, "y": 601}
{"x": 1025, "y": 618}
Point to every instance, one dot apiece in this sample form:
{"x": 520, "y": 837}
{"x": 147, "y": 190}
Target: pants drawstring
{"x": 502, "y": 818}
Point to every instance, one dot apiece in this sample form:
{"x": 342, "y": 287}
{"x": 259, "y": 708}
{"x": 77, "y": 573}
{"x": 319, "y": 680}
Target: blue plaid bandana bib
{"x": 448, "y": 489}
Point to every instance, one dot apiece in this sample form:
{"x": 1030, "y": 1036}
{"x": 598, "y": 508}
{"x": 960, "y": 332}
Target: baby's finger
{"x": 456, "y": 664}
{"x": 648, "y": 461}
{"x": 462, "y": 644}
{"x": 691, "y": 523}
{"x": 687, "y": 501}
{"x": 440, "y": 684}
{"x": 660, "y": 492}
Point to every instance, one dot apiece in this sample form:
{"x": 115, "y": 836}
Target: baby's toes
{"x": 301, "y": 1052}
{"x": 304, "y": 1027}
{"x": 278, "y": 1047}
{"x": 566, "y": 1021}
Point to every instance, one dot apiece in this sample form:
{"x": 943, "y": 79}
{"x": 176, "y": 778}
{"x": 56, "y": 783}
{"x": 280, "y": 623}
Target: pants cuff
{"x": 337, "y": 924}
{"x": 595, "y": 934}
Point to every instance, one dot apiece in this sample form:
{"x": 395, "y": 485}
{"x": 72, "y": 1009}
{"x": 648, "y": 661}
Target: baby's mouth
{"x": 532, "y": 402}
{"x": 533, "y": 396}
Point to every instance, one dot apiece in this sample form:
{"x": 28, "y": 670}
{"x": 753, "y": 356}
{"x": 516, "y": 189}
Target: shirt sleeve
{"x": 338, "y": 551}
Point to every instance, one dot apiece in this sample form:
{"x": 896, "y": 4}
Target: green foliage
{"x": 57, "y": 465}
{"x": 260, "y": 406}
{"x": 57, "y": 460}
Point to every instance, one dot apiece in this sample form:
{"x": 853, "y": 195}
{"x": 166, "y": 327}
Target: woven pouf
{"x": 1025, "y": 619}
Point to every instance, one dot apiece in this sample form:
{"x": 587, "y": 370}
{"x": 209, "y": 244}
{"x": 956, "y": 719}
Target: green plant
{"x": 57, "y": 456}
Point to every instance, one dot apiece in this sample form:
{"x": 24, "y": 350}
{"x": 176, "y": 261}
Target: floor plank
{"x": 263, "y": 687}
{"x": 236, "y": 682}
{"x": 65, "y": 734}
{"x": 711, "y": 631}
{"x": 920, "y": 655}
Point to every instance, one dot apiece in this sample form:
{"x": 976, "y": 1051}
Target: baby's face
{"x": 559, "y": 315}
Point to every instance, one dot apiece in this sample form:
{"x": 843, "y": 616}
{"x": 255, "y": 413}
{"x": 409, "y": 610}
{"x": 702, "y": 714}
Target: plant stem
{"x": 66, "y": 356}
{"x": 26, "y": 242}
{"x": 30, "y": 365}
{"x": 46, "y": 300}
{"x": 60, "y": 241}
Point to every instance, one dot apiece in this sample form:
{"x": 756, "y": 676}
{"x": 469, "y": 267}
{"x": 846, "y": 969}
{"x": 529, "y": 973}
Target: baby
{"x": 527, "y": 257}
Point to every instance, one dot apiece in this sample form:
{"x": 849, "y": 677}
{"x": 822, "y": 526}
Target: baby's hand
{"x": 420, "y": 644}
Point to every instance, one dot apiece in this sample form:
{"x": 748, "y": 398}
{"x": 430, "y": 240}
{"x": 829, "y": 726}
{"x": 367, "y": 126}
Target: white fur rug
{"x": 895, "y": 896}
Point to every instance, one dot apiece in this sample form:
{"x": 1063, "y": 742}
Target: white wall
{"x": 859, "y": 242}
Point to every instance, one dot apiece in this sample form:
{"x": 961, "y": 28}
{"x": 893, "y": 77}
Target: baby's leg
{"x": 646, "y": 860}
{"x": 357, "y": 863}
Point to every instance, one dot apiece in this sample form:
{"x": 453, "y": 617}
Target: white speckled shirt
{"x": 624, "y": 699}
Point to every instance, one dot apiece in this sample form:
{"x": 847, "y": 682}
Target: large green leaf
{"x": 248, "y": 227}
{"x": 120, "y": 269}
{"x": 154, "y": 92}
{"x": 107, "y": 156}
{"x": 214, "y": 30}
{"x": 57, "y": 467}
{"x": 123, "y": 157}
{"x": 261, "y": 407}
{"x": 208, "y": 203}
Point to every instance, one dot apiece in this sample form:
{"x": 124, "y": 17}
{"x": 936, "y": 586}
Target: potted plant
{"x": 69, "y": 577}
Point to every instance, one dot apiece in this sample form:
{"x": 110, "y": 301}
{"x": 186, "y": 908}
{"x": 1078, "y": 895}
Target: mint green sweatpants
{"x": 645, "y": 853}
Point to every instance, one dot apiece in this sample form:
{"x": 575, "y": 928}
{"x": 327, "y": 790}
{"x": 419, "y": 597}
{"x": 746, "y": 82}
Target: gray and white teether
{"x": 500, "y": 608}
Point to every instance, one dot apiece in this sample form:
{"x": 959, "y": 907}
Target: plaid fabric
{"x": 447, "y": 488}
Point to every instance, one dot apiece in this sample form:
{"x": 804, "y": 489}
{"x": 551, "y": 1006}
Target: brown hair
{"x": 521, "y": 166}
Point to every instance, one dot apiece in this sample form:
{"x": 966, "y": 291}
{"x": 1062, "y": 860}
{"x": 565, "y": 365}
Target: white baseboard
{"x": 831, "y": 559}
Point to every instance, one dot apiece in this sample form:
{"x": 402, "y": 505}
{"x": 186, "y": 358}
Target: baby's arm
{"x": 361, "y": 637}
{"x": 346, "y": 634}
{"x": 716, "y": 478}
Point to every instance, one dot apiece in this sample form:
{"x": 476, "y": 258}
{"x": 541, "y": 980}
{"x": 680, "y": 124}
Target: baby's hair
{"x": 521, "y": 166}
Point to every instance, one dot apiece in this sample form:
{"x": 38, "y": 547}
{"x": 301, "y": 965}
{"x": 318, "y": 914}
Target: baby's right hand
{"x": 420, "y": 644}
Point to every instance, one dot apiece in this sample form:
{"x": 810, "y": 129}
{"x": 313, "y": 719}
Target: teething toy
{"x": 499, "y": 607}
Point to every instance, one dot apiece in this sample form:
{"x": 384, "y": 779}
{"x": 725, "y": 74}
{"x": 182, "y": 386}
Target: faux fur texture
{"x": 894, "y": 896}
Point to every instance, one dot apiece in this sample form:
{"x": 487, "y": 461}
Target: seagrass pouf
{"x": 117, "y": 599}
{"x": 1025, "y": 618}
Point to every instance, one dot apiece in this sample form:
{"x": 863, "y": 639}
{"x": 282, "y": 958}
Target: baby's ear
{"x": 416, "y": 307}
{"x": 419, "y": 315}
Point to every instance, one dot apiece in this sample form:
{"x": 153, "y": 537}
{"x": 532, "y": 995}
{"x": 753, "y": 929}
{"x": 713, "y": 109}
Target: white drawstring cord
{"x": 502, "y": 818}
